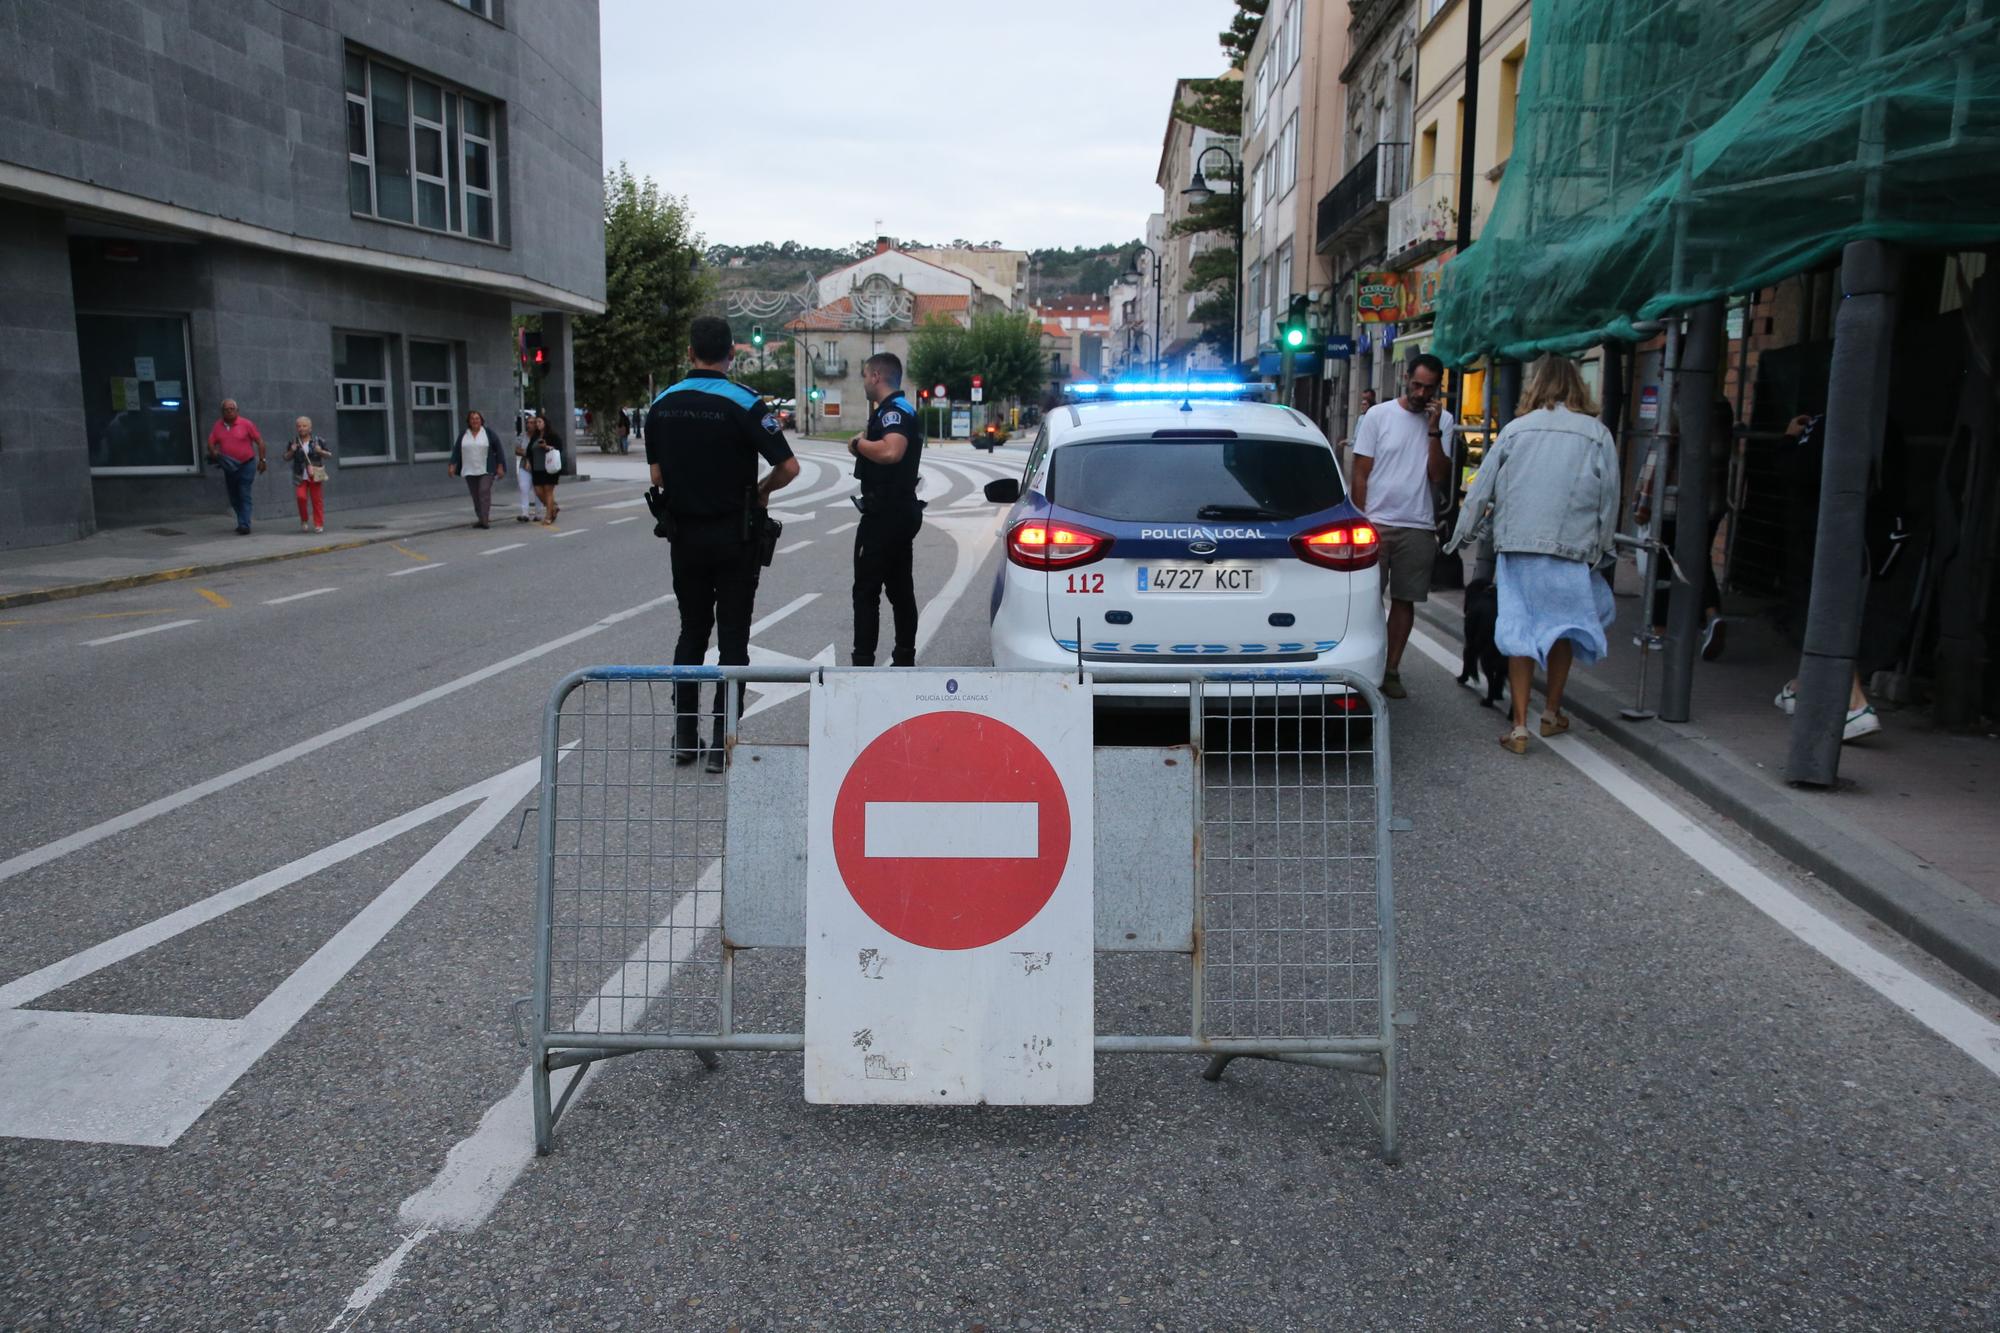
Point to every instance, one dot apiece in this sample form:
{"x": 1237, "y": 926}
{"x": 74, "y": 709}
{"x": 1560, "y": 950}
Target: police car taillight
{"x": 1036, "y": 543}
{"x": 1349, "y": 544}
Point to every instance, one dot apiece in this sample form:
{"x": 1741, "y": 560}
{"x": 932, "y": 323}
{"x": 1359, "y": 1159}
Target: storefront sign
{"x": 1378, "y": 296}
{"x": 1649, "y": 405}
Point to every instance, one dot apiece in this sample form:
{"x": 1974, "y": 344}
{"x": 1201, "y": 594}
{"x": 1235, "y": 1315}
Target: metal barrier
{"x": 655, "y": 875}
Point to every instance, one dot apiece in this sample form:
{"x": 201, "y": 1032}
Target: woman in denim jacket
{"x": 1547, "y": 496}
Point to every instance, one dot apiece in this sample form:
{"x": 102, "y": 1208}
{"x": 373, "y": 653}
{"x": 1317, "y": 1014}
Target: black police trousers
{"x": 884, "y": 560}
{"x": 715, "y": 584}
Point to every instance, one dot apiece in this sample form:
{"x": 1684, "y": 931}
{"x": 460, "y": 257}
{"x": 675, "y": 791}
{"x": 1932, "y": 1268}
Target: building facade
{"x": 1181, "y": 148}
{"x": 337, "y": 217}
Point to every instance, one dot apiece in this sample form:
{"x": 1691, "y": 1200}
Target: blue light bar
{"x": 1168, "y": 388}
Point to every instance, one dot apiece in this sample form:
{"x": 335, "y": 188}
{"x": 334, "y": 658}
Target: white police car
{"x": 1183, "y": 524}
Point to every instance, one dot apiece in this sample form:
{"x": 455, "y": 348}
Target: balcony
{"x": 1381, "y": 174}
{"x": 830, "y": 367}
{"x": 1425, "y": 219}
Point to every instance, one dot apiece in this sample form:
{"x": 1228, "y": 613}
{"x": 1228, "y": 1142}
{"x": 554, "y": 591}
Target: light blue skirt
{"x": 1544, "y": 598}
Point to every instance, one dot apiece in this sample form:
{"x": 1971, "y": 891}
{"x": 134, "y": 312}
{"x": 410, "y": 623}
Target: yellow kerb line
{"x": 214, "y": 598}
{"x": 398, "y": 546}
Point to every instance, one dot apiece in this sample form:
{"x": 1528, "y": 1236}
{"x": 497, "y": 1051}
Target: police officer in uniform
{"x": 703, "y": 438}
{"x": 887, "y": 456}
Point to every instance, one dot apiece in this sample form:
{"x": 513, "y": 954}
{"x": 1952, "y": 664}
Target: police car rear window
{"x": 1191, "y": 480}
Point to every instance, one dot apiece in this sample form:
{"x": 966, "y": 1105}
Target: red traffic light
{"x": 541, "y": 357}
{"x": 923, "y": 395}
{"x": 978, "y": 381}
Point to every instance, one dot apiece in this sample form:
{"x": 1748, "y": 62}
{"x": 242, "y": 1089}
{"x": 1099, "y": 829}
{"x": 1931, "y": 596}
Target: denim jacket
{"x": 1547, "y": 486}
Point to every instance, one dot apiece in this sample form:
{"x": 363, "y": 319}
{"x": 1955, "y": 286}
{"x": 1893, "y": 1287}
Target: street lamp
{"x": 1132, "y": 276}
{"x": 1197, "y": 193}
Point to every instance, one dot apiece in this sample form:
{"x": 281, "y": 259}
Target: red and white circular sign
{"x": 951, "y": 830}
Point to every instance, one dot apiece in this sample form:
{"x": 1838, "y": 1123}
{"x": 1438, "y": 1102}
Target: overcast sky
{"x": 1032, "y": 122}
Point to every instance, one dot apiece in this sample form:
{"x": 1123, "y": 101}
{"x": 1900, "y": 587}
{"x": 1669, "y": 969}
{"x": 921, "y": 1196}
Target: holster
{"x": 663, "y": 517}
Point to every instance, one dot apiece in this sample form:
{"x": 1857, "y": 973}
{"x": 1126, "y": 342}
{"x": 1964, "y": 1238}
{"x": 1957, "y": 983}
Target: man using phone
{"x": 1402, "y": 452}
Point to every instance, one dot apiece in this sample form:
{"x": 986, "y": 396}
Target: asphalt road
{"x": 1631, "y": 1098}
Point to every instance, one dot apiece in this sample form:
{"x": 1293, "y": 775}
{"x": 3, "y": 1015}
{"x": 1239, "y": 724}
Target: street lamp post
{"x": 1197, "y": 193}
{"x": 1158, "y": 307}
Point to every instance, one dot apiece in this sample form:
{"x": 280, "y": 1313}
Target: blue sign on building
{"x": 1339, "y": 347}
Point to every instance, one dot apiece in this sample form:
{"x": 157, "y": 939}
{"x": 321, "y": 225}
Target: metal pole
{"x": 1694, "y": 396}
{"x": 1468, "y": 132}
{"x": 1857, "y": 411}
{"x": 1236, "y": 328}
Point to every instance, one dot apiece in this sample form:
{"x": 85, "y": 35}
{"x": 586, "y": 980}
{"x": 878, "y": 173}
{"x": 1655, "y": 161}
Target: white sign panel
{"x": 949, "y": 890}
{"x": 978, "y": 394}
{"x": 961, "y": 421}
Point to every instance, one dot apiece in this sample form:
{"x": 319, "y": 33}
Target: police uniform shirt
{"x": 892, "y": 416}
{"x": 705, "y": 435}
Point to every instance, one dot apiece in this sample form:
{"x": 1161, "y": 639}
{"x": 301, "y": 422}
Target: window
{"x": 1147, "y": 481}
{"x": 1288, "y": 156}
{"x": 138, "y": 413}
{"x": 1290, "y": 33}
{"x": 1427, "y": 151}
{"x": 433, "y": 398}
{"x": 419, "y": 151}
{"x": 362, "y": 432}
{"x": 1254, "y": 205}
{"x": 483, "y": 8}
{"x": 1282, "y": 291}
{"x": 1510, "y": 99}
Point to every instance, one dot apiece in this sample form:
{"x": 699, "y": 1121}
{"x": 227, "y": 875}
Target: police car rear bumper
{"x": 1364, "y": 652}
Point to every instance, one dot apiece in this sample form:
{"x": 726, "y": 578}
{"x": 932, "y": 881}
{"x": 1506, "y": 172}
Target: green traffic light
{"x": 1295, "y": 337}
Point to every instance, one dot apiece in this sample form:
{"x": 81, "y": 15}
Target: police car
{"x": 1182, "y": 523}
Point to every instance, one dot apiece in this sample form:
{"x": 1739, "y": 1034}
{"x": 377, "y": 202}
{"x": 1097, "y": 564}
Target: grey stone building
{"x": 332, "y": 208}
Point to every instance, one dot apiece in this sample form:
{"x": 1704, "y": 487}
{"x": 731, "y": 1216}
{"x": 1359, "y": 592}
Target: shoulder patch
{"x": 772, "y": 424}
{"x": 891, "y": 418}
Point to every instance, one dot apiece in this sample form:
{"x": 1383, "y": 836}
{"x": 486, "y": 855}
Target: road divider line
{"x": 621, "y": 504}
{"x": 136, "y": 633}
{"x": 571, "y": 532}
{"x": 300, "y": 596}
{"x": 414, "y": 555}
{"x": 629, "y": 518}
{"x": 795, "y": 546}
{"x": 760, "y": 626}
{"x": 510, "y": 546}
{"x": 1956, "y": 1022}
{"x": 417, "y": 569}
{"x": 151, "y": 810}
{"x": 835, "y": 532}
{"x": 214, "y": 598}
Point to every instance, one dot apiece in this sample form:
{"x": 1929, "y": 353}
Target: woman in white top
{"x": 523, "y": 473}
{"x": 477, "y": 458}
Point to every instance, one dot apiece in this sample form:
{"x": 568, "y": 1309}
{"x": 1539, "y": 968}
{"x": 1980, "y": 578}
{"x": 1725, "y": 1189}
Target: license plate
{"x": 1201, "y": 578}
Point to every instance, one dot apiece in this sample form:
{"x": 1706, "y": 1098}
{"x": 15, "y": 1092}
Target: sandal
{"x": 1515, "y": 741}
{"x": 1555, "y": 726}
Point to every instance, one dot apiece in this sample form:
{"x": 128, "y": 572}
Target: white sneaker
{"x": 1787, "y": 700}
{"x": 1861, "y": 722}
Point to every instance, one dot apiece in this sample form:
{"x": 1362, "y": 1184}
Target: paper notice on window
{"x": 167, "y": 391}
{"x": 133, "y": 401}
{"x": 118, "y": 399}
{"x": 142, "y": 367}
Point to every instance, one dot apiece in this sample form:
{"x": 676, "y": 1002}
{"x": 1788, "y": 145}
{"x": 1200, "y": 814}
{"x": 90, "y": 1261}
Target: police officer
{"x": 703, "y": 438}
{"x": 887, "y": 456}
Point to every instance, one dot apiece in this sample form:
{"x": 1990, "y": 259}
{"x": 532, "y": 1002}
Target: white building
{"x": 1181, "y": 147}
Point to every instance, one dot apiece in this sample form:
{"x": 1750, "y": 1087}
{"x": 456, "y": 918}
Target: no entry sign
{"x": 948, "y": 900}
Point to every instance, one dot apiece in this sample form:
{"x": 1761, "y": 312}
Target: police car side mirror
{"x": 1005, "y": 491}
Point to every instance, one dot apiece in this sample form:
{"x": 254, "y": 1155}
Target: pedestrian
{"x": 1346, "y": 445}
{"x": 704, "y": 436}
{"x": 478, "y": 459}
{"x": 523, "y": 473}
{"x": 238, "y": 446}
{"x": 1400, "y": 457}
{"x": 887, "y": 456}
{"x": 1721, "y": 446}
{"x": 307, "y": 454}
{"x": 1547, "y": 495}
{"x": 545, "y": 465}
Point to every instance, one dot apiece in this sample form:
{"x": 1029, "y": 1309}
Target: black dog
{"x": 1482, "y": 657}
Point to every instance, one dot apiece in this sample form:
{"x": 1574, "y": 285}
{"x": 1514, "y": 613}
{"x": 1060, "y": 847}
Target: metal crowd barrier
{"x": 1258, "y": 848}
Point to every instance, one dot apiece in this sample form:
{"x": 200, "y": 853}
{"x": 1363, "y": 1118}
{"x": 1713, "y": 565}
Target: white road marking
{"x": 418, "y": 569}
{"x": 299, "y": 596}
{"x": 622, "y": 504}
{"x": 760, "y": 626}
{"x": 380, "y": 1278}
{"x": 1958, "y": 1023}
{"x": 835, "y": 532}
{"x": 50, "y": 851}
{"x": 571, "y": 532}
{"x": 795, "y": 546}
{"x": 510, "y": 546}
{"x": 629, "y": 518}
{"x": 950, "y": 830}
{"x": 136, "y": 633}
{"x": 143, "y": 1079}
{"x": 791, "y": 516}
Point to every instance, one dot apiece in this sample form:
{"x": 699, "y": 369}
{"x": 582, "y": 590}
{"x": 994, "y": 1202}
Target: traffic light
{"x": 978, "y": 381}
{"x": 756, "y": 335}
{"x": 1298, "y": 323}
{"x": 923, "y": 395}
{"x": 534, "y": 356}
{"x": 813, "y": 394}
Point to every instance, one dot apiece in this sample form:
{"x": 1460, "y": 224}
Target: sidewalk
{"x": 1913, "y": 832}
{"x": 198, "y": 544}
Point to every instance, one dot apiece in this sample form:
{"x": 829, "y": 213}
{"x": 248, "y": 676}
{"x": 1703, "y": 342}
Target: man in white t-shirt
{"x": 1401, "y": 454}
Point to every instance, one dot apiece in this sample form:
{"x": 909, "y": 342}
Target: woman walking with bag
{"x": 546, "y": 461}
{"x": 1547, "y": 494}
{"x": 524, "y": 474}
{"x": 307, "y": 454}
{"x": 478, "y": 459}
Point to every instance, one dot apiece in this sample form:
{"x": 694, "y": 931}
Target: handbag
{"x": 552, "y": 460}
{"x": 315, "y": 472}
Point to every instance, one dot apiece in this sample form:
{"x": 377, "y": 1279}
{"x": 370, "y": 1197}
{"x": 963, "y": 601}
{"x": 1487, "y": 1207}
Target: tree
{"x": 1242, "y": 31}
{"x": 652, "y": 290}
{"x": 1217, "y": 105}
{"x": 1003, "y": 347}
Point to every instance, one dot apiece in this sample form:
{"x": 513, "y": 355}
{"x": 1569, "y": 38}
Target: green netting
{"x": 1670, "y": 151}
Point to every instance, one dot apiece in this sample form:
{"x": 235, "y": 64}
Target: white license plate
{"x": 1201, "y": 578}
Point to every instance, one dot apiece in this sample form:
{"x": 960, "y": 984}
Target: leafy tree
{"x": 652, "y": 290}
{"x": 1217, "y": 105}
{"x": 1242, "y": 31}
{"x": 1004, "y": 347}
